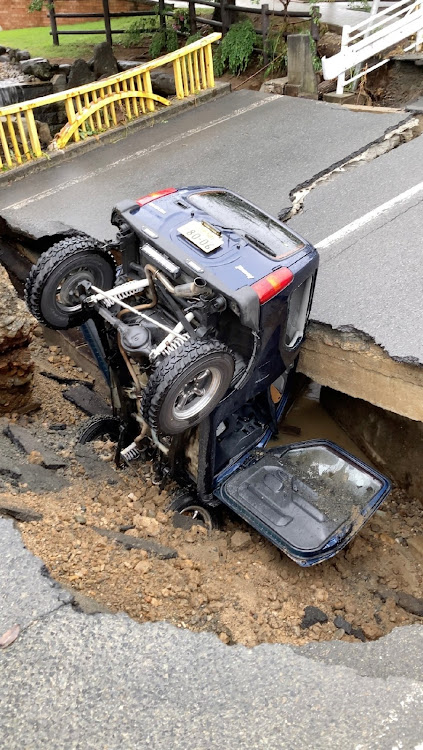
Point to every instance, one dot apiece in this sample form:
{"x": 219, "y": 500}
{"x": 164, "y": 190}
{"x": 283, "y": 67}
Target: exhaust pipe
{"x": 193, "y": 289}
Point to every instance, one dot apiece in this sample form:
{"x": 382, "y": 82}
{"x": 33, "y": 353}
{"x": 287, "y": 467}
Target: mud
{"x": 339, "y": 488}
{"x": 248, "y": 593}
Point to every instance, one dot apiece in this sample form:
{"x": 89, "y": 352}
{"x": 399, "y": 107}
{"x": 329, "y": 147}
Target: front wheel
{"x": 52, "y": 287}
{"x": 201, "y": 513}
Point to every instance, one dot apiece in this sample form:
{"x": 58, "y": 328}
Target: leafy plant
{"x": 181, "y": 20}
{"x": 193, "y": 38}
{"x": 163, "y": 40}
{"x": 317, "y": 63}
{"x": 39, "y": 5}
{"x": 236, "y": 49}
{"x": 277, "y": 54}
{"x": 363, "y": 5}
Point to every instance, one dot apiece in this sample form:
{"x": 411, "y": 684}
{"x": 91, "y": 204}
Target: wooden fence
{"x": 104, "y": 104}
{"x": 226, "y": 10}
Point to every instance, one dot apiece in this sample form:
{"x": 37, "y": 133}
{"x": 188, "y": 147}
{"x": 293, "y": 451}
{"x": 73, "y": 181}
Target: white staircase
{"x": 369, "y": 38}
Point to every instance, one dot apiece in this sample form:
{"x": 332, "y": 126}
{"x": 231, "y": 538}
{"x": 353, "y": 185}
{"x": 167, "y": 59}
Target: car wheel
{"x": 187, "y": 385}
{"x": 51, "y": 291}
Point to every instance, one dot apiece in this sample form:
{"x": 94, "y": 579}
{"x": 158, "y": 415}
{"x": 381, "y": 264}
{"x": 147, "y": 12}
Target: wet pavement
{"x": 103, "y": 681}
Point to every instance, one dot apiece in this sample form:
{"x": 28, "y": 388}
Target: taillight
{"x": 272, "y": 284}
{"x": 154, "y": 196}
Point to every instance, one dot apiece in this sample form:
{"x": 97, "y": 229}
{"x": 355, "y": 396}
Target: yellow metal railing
{"x": 101, "y": 105}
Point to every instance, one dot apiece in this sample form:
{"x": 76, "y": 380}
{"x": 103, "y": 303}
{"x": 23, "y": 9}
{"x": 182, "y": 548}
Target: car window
{"x": 232, "y": 212}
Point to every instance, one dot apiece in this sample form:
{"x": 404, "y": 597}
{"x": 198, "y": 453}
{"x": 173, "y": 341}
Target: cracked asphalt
{"x": 73, "y": 680}
{"x": 371, "y": 279}
{"x": 263, "y": 147}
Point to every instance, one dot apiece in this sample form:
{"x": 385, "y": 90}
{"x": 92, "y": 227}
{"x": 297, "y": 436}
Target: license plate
{"x": 201, "y": 236}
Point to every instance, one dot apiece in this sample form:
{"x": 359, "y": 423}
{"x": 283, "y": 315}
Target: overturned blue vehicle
{"x": 198, "y": 333}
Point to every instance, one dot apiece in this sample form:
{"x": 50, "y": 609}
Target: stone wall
{"x": 16, "y": 365}
{"x": 14, "y": 14}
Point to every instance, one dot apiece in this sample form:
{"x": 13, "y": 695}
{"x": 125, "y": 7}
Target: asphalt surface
{"x": 371, "y": 279}
{"x": 73, "y": 680}
{"x": 263, "y": 147}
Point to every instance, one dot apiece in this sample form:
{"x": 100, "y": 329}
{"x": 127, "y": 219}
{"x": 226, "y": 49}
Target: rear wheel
{"x": 52, "y": 288}
{"x": 186, "y": 386}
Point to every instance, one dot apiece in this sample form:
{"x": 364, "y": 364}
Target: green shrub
{"x": 236, "y": 49}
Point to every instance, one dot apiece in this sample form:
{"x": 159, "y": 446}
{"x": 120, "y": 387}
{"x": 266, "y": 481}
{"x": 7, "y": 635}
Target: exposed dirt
{"x": 395, "y": 84}
{"x": 232, "y": 581}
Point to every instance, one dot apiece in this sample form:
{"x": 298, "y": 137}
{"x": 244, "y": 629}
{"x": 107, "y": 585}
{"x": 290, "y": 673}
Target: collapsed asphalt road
{"x": 264, "y": 147}
{"x": 87, "y": 681}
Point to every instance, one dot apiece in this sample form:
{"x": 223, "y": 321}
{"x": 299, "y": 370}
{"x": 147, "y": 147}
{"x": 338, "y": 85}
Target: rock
{"x": 142, "y": 567}
{"x": 22, "y": 437}
{"x": 80, "y": 519}
{"x": 66, "y": 380}
{"x": 65, "y": 68}
{"x": 38, "y": 67}
{"x": 329, "y": 44}
{"x": 134, "y": 542}
{"x": 149, "y": 526}
{"x": 59, "y": 82}
{"x": 44, "y": 133}
{"x": 163, "y": 83}
{"x": 410, "y": 603}
{"x": 16, "y": 364}
{"x": 313, "y": 615}
{"x": 224, "y": 637}
{"x": 240, "y": 540}
{"x": 104, "y": 61}
{"x": 8, "y": 468}
{"x": 346, "y": 626}
{"x": 128, "y": 64}
{"x": 22, "y": 54}
{"x": 80, "y": 74}
{"x": 87, "y": 400}
{"x": 18, "y": 512}
{"x": 274, "y": 86}
{"x": 372, "y": 631}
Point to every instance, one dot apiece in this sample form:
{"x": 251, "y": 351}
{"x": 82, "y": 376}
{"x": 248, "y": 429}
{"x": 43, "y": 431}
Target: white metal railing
{"x": 377, "y": 33}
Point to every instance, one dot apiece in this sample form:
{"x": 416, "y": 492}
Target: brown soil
{"x": 237, "y": 585}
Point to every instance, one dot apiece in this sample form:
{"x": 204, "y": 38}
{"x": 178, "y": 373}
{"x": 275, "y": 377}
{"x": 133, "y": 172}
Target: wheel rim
{"x": 197, "y": 513}
{"x": 67, "y": 295}
{"x": 196, "y": 395}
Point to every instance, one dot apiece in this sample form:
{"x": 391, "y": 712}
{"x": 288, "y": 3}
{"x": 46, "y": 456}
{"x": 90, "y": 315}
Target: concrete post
{"x": 301, "y": 75}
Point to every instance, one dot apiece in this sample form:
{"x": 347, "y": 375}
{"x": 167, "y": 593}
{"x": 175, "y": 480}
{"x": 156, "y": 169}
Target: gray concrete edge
{"x": 122, "y": 131}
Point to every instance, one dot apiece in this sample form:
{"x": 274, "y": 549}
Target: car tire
{"x": 98, "y": 427}
{"x": 186, "y": 505}
{"x": 50, "y": 291}
{"x": 187, "y": 385}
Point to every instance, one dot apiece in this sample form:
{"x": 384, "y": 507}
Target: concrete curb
{"x": 56, "y": 157}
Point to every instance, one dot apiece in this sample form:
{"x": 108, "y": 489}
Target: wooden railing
{"x": 99, "y": 106}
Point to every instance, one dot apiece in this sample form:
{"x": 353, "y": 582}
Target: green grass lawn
{"x": 39, "y": 42}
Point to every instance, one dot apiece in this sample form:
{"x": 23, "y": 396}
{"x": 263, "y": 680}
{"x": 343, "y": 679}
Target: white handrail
{"x": 368, "y": 38}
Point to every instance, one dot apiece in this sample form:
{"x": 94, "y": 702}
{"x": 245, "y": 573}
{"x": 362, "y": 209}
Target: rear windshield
{"x": 232, "y": 212}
